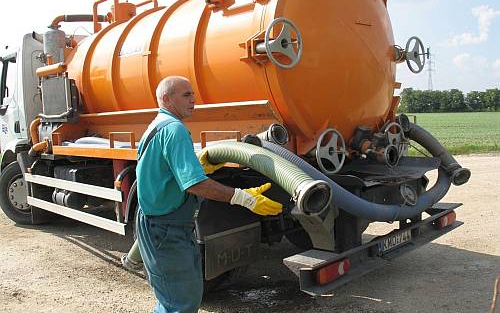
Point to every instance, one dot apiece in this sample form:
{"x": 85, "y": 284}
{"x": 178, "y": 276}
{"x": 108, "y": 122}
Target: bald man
{"x": 169, "y": 177}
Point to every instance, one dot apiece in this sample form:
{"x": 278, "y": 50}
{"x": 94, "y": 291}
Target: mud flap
{"x": 230, "y": 249}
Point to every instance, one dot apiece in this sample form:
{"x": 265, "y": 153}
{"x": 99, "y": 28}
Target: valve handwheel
{"x": 330, "y": 151}
{"x": 284, "y": 44}
{"x": 415, "y": 55}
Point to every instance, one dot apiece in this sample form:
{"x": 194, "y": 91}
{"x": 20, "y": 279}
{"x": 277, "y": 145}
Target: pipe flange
{"x": 409, "y": 194}
{"x": 404, "y": 121}
{"x": 278, "y": 134}
{"x": 391, "y": 156}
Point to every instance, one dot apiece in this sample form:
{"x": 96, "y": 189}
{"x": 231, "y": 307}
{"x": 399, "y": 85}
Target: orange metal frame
{"x": 247, "y": 117}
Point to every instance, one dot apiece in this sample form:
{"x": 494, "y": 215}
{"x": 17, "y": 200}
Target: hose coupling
{"x": 313, "y": 196}
{"x": 460, "y": 176}
{"x": 276, "y": 133}
{"x": 252, "y": 139}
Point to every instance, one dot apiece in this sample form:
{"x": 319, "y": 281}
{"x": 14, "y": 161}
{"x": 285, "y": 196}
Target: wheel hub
{"x": 18, "y": 194}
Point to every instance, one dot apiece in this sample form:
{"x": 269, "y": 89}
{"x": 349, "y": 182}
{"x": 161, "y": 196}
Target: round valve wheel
{"x": 330, "y": 151}
{"x": 283, "y": 44}
{"x": 415, "y": 57}
{"x": 395, "y": 136}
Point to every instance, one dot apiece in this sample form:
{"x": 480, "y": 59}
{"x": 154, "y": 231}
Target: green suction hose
{"x": 311, "y": 196}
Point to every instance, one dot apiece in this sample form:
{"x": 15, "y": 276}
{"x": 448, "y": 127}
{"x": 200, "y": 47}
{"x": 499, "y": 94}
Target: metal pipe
{"x": 53, "y": 69}
{"x": 37, "y": 148}
{"x": 76, "y": 18}
{"x": 38, "y": 37}
{"x": 34, "y": 130}
{"x": 56, "y": 116}
{"x": 97, "y": 26}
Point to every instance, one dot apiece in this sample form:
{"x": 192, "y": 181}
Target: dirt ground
{"x": 72, "y": 267}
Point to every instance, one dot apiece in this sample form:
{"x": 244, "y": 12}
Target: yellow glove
{"x": 253, "y": 200}
{"x": 207, "y": 166}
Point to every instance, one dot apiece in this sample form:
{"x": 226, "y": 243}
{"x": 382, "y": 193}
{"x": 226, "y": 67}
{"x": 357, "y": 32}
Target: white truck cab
{"x": 20, "y": 101}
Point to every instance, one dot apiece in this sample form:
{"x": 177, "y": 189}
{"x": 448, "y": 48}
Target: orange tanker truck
{"x": 296, "y": 92}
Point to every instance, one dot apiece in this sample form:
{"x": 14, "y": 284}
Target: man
{"x": 169, "y": 177}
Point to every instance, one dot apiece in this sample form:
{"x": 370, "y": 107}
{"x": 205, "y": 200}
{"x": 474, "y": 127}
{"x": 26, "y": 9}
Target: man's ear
{"x": 165, "y": 99}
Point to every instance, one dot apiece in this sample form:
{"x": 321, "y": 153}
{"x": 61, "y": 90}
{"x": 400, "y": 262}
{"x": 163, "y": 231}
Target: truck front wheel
{"x": 13, "y": 194}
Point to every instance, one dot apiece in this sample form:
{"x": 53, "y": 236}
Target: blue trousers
{"x": 172, "y": 259}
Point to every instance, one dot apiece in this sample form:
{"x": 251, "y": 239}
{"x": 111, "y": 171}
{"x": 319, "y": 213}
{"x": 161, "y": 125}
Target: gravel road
{"x": 72, "y": 267}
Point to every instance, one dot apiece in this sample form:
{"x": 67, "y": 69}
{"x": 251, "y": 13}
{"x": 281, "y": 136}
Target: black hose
{"x": 458, "y": 174}
{"x": 362, "y": 208}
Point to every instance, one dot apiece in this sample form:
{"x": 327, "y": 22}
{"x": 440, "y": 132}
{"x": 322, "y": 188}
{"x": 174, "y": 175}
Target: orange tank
{"x": 345, "y": 76}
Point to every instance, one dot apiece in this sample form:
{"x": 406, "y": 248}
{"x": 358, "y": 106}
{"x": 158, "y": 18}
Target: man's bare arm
{"x": 210, "y": 189}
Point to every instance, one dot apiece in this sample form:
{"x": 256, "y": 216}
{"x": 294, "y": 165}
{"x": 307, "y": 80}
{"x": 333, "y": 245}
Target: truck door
{"x": 9, "y": 111}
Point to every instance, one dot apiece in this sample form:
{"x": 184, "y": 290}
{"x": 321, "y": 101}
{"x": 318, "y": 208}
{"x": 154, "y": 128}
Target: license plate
{"x": 391, "y": 242}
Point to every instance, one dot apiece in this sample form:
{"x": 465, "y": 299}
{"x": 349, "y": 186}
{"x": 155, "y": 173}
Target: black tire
{"x": 226, "y": 277}
{"x": 300, "y": 239}
{"x": 13, "y": 195}
{"x": 133, "y": 208}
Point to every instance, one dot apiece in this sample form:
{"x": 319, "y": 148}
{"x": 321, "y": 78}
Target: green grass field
{"x": 463, "y": 133}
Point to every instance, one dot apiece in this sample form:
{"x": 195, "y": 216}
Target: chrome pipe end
{"x": 276, "y": 133}
{"x": 313, "y": 196}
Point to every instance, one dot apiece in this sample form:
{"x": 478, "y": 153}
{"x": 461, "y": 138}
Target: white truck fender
{"x": 9, "y": 155}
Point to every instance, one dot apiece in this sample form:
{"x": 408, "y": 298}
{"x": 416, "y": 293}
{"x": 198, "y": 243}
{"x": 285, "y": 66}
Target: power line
{"x": 430, "y": 68}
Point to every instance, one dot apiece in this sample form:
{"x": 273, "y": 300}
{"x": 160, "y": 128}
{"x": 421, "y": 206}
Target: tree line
{"x": 454, "y": 100}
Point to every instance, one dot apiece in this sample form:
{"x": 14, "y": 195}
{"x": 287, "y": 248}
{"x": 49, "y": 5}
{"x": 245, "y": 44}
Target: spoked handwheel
{"x": 415, "y": 54}
{"x": 284, "y": 44}
{"x": 330, "y": 151}
{"x": 395, "y": 136}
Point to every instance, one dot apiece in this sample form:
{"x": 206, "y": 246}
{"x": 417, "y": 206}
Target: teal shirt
{"x": 167, "y": 167}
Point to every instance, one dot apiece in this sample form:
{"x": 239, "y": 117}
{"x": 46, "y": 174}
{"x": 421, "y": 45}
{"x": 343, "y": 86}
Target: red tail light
{"x": 332, "y": 271}
{"x": 446, "y": 220}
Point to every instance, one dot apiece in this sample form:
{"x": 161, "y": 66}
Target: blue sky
{"x": 464, "y": 35}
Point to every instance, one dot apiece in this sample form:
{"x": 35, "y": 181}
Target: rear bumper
{"x": 368, "y": 257}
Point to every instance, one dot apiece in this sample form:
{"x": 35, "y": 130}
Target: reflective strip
{"x": 91, "y": 190}
{"x": 84, "y": 217}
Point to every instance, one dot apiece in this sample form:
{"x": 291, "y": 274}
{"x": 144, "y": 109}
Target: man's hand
{"x": 253, "y": 200}
{"x": 207, "y": 166}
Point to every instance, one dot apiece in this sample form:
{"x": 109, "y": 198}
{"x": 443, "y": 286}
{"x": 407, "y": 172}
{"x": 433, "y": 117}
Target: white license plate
{"x": 394, "y": 241}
